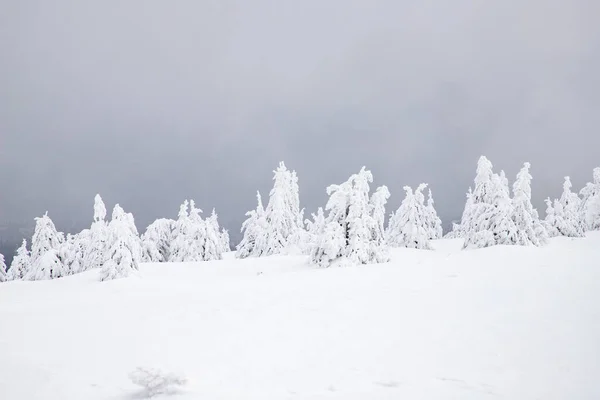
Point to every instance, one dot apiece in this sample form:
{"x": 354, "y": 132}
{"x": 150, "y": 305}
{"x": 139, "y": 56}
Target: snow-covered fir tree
{"x": 282, "y": 214}
{"x": 181, "y": 231}
{"x": 71, "y": 254}
{"x": 564, "y": 218}
{"x": 409, "y": 225}
{"x": 489, "y": 218}
{"x": 434, "y": 223}
{"x": 124, "y": 248}
{"x": 378, "y": 239}
{"x": 221, "y": 236}
{"x": 21, "y": 263}
{"x": 530, "y": 230}
{"x": 213, "y": 241}
{"x": 253, "y": 229}
{"x": 590, "y": 202}
{"x": 314, "y": 228}
{"x": 347, "y": 238}
{"x": 156, "y": 241}
{"x": 45, "y": 245}
{"x": 96, "y": 246}
{"x": 3, "y": 273}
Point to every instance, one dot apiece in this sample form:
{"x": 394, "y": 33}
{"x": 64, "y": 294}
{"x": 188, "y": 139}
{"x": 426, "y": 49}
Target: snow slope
{"x": 502, "y": 322}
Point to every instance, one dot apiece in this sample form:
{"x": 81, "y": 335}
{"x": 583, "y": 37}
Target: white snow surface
{"x": 504, "y": 322}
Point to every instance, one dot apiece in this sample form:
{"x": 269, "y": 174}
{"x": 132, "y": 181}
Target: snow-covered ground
{"x": 502, "y": 322}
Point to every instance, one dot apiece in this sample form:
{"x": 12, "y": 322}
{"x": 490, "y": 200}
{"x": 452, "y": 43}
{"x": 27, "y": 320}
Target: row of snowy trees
{"x": 349, "y": 230}
{"x": 492, "y": 217}
{"x": 115, "y": 247}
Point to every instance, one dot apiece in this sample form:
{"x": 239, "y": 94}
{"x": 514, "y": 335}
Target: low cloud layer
{"x": 151, "y": 102}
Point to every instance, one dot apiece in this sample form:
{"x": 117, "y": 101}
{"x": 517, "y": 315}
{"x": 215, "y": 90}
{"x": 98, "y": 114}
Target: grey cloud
{"x": 150, "y": 102}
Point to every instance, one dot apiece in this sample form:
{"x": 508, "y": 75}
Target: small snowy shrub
{"x": 155, "y": 382}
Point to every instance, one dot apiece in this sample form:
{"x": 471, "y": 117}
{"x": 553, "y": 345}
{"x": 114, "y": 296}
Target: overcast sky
{"x": 151, "y": 102}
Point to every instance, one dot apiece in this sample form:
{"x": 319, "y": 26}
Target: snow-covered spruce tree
{"x": 97, "y": 241}
{"x": 489, "y": 221}
{"x": 74, "y": 251}
{"x": 282, "y": 215}
{"x": 124, "y": 248}
{"x": 433, "y": 220}
{"x": 45, "y": 244}
{"x": 408, "y": 226}
{"x": 530, "y": 230}
{"x": 156, "y": 241}
{"x": 254, "y": 232}
{"x": 3, "y": 273}
{"x": 213, "y": 241}
{"x": 314, "y": 228}
{"x": 378, "y": 239}
{"x": 181, "y": 230}
{"x": 221, "y": 236}
{"x": 347, "y": 237}
{"x": 590, "y": 202}
{"x": 21, "y": 263}
{"x": 196, "y": 237}
{"x": 565, "y": 217}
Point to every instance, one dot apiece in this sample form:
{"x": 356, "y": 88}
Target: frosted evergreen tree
{"x": 45, "y": 244}
{"x": 213, "y": 242}
{"x": 530, "y": 231}
{"x": 221, "y": 236}
{"x": 72, "y": 252}
{"x": 156, "y": 241}
{"x": 551, "y": 222}
{"x": 181, "y": 231}
{"x": 21, "y": 263}
{"x": 433, "y": 221}
{"x": 253, "y": 229}
{"x": 124, "y": 250}
{"x": 282, "y": 215}
{"x": 408, "y": 226}
{"x": 567, "y": 219}
{"x": 45, "y": 237}
{"x": 590, "y": 202}
{"x": 315, "y": 228}
{"x": 378, "y": 238}
{"x": 196, "y": 236}
{"x": 347, "y": 237}
{"x": 3, "y": 273}
{"x": 489, "y": 218}
{"x": 97, "y": 244}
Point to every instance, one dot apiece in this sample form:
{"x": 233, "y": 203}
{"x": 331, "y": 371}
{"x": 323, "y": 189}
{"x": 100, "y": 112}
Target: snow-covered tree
{"x": 347, "y": 237}
{"x": 221, "y": 236}
{"x": 530, "y": 231}
{"x": 3, "y": 273}
{"x": 181, "y": 231}
{"x": 73, "y": 251}
{"x": 45, "y": 237}
{"x": 279, "y": 224}
{"x": 213, "y": 241}
{"x": 590, "y": 202}
{"x": 314, "y": 228}
{"x": 253, "y": 229}
{"x": 408, "y": 226}
{"x": 45, "y": 245}
{"x": 96, "y": 246}
{"x": 564, "y": 218}
{"x": 378, "y": 239}
{"x": 124, "y": 249}
{"x": 21, "y": 263}
{"x": 434, "y": 222}
{"x": 489, "y": 218}
{"x": 156, "y": 241}
{"x": 47, "y": 266}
